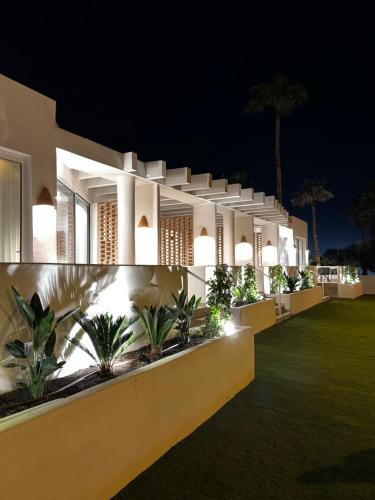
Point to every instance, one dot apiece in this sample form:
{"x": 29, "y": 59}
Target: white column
{"x": 204, "y": 231}
{"x": 125, "y": 220}
{"x": 228, "y": 236}
{"x": 147, "y": 204}
{"x": 93, "y": 233}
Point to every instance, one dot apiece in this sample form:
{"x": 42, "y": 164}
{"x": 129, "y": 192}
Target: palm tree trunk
{"x": 279, "y": 188}
{"x": 315, "y": 235}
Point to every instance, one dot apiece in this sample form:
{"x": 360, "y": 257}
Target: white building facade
{"x": 66, "y": 199}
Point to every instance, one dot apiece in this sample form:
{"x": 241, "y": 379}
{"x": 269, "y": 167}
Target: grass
{"x": 304, "y": 429}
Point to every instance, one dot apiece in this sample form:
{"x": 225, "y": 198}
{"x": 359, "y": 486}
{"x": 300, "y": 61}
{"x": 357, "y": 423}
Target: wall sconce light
{"x": 44, "y": 228}
{"x": 269, "y": 255}
{"x": 204, "y": 232}
{"x": 143, "y": 222}
{"x": 243, "y": 252}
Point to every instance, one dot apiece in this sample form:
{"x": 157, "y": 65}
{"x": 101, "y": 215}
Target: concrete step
{"x": 283, "y": 317}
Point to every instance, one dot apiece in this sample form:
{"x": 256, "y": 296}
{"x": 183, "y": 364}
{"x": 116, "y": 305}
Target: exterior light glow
{"x": 243, "y": 252}
{"x": 229, "y": 328}
{"x": 204, "y": 249}
{"x": 145, "y": 238}
{"x": 44, "y": 228}
{"x": 269, "y": 255}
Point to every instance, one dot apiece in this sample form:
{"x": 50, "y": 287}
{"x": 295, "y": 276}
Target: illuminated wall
{"x": 97, "y": 289}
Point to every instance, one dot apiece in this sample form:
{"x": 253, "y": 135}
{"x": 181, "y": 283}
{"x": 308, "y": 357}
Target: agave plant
{"x": 109, "y": 338}
{"x": 292, "y": 282}
{"x": 40, "y": 361}
{"x": 157, "y": 322}
{"x": 183, "y": 310}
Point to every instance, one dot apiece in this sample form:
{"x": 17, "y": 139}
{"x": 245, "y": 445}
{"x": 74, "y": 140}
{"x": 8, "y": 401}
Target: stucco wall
{"x": 300, "y": 228}
{"x": 368, "y": 283}
{"x": 97, "y": 289}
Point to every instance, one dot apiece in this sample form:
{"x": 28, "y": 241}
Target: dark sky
{"x": 170, "y": 84}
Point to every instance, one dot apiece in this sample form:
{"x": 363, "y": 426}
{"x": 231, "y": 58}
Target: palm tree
{"x": 283, "y": 98}
{"x": 313, "y": 192}
{"x": 363, "y": 212}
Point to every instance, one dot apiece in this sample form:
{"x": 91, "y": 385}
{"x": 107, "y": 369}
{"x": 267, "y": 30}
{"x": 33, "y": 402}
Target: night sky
{"x": 171, "y": 84}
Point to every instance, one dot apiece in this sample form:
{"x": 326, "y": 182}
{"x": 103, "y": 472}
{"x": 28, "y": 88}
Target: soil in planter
{"x": 20, "y": 399}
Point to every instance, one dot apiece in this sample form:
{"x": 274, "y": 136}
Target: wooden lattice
{"x": 107, "y": 233}
{"x": 258, "y": 248}
{"x": 176, "y": 241}
{"x": 220, "y": 244}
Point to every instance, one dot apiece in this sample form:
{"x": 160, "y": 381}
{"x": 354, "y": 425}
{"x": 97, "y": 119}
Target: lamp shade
{"x": 45, "y": 198}
{"x": 143, "y": 222}
{"x": 269, "y": 255}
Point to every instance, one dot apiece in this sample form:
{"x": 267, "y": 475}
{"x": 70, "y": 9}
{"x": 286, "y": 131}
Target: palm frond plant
{"x": 278, "y": 281}
{"x": 239, "y": 294}
{"x": 157, "y": 322}
{"x": 307, "y": 279}
{"x": 37, "y": 358}
{"x": 292, "y": 283}
{"x": 109, "y": 338}
{"x": 183, "y": 310}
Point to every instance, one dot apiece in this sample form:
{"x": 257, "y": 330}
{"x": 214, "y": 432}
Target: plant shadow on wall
{"x": 356, "y": 467}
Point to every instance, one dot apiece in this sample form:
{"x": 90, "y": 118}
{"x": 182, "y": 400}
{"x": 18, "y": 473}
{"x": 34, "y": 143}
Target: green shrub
{"x": 307, "y": 279}
{"x": 39, "y": 360}
{"x": 183, "y": 310}
{"x": 350, "y": 275}
{"x": 220, "y": 292}
{"x": 278, "y": 281}
{"x": 246, "y": 291}
{"x": 157, "y": 322}
{"x": 108, "y": 336}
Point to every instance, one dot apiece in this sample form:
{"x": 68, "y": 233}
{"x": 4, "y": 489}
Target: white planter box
{"x": 297, "y": 302}
{"x": 97, "y": 441}
{"x": 350, "y": 291}
{"x": 258, "y": 316}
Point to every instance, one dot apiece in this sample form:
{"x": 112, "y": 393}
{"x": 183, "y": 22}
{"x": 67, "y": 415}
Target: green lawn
{"x": 305, "y": 428}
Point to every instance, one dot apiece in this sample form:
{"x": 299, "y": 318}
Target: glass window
{"x": 65, "y": 224}
{"x": 10, "y": 211}
{"x": 82, "y": 216}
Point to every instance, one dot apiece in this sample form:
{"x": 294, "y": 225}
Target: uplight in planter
{"x": 243, "y": 252}
{"x": 145, "y": 242}
{"x": 228, "y": 327}
{"x": 204, "y": 249}
{"x": 269, "y": 255}
{"x": 44, "y": 228}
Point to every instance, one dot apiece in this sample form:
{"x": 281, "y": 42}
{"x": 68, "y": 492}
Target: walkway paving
{"x": 305, "y": 429}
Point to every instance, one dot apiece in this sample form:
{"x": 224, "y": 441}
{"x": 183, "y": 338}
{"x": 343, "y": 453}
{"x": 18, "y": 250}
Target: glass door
{"x": 10, "y": 211}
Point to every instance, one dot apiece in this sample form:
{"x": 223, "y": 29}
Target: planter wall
{"x": 300, "y": 301}
{"x": 258, "y": 316}
{"x": 350, "y": 291}
{"x": 96, "y": 442}
{"x": 368, "y": 283}
{"x": 97, "y": 288}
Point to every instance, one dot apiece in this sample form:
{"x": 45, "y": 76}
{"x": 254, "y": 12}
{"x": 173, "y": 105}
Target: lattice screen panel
{"x": 258, "y": 248}
{"x": 220, "y": 244}
{"x": 176, "y": 241}
{"x": 107, "y": 233}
